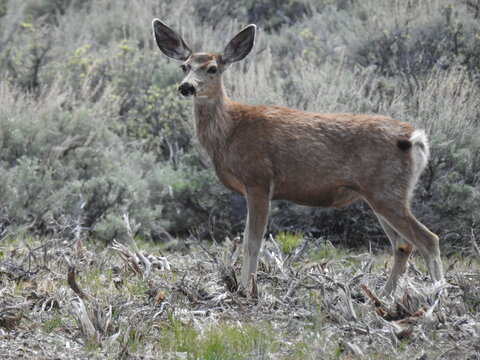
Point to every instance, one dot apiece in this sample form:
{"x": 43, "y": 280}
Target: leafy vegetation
{"x": 91, "y": 126}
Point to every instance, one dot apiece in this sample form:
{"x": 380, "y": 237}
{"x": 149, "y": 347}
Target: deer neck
{"x": 213, "y": 123}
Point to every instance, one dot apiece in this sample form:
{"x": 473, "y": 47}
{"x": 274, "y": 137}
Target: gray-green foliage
{"x": 415, "y": 48}
{"x": 66, "y": 166}
{"x": 62, "y": 169}
{"x": 91, "y": 125}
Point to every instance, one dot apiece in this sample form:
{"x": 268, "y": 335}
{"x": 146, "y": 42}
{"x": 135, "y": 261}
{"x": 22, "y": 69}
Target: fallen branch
{"x": 379, "y": 306}
{"x": 130, "y": 259}
{"x": 136, "y": 260}
{"x": 73, "y": 284}
{"x": 144, "y": 261}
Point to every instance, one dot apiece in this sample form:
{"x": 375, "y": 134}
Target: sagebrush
{"x": 91, "y": 125}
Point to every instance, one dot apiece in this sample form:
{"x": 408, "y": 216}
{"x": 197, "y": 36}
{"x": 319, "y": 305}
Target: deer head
{"x": 202, "y": 70}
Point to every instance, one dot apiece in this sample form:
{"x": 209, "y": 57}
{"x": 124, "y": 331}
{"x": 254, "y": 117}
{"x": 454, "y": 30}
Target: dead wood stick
{"x": 147, "y": 265}
{"x": 73, "y": 283}
{"x": 381, "y": 310}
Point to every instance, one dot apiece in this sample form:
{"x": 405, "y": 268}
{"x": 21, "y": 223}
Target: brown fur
{"x": 311, "y": 159}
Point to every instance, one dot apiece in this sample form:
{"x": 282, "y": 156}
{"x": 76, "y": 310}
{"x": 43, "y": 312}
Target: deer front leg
{"x": 258, "y": 204}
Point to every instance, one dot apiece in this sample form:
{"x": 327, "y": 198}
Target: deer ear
{"x": 240, "y": 46}
{"x": 169, "y": 42}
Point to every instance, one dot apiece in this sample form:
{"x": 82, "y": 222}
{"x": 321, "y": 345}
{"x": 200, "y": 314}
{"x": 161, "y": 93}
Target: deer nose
{"x": 186, "y": 89}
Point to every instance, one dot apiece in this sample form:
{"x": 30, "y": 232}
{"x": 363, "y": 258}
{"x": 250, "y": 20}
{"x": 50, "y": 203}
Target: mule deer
{"x": 331, "y": 160}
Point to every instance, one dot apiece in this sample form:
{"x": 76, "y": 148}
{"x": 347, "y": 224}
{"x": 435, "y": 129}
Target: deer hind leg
{"x": 401, "y": 252}
{"x": 258, "y": 204}
{"x": 406, "y": 225}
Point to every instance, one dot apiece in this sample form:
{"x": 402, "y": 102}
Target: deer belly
{"x": 326, "y": 196}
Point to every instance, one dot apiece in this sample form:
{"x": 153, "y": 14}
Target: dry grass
{"x": 315, "y": 302}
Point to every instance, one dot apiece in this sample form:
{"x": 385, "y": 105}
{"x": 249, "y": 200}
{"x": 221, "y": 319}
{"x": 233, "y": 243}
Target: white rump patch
{"x": 420, "y": 154}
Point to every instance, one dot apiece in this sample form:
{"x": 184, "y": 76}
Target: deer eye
{"x": 184, "y": 68}
{"x": 212, "y": 70}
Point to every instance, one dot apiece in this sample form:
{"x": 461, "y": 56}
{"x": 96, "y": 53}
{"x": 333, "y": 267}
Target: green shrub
{"x": 448, "y": 186}
{"x": 161, "y": 120}
{"x": 91, "y": 126}
{"x": 57, "y": 164}
{"x": 270, "y": 14}
{"x": 414, "y": 49}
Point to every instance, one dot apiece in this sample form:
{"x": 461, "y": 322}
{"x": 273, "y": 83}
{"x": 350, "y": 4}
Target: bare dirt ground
{"x": 66, "y": 300}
